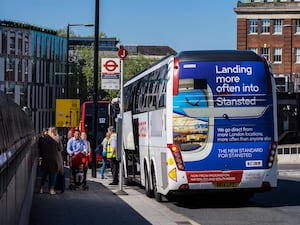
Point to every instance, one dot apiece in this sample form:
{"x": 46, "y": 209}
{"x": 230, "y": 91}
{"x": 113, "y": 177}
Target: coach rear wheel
{"x": 157, "y": 195}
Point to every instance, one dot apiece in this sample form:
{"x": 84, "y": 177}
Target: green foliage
{"x": 132, "y": 65}
{"x": 87, "y": 60}
{"x": 136, "y": 64}
{"x": 62, "y": 33}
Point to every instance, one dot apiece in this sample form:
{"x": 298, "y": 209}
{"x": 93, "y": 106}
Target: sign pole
{"x": 95, "y": 94}
{"x": 122, "y": 54}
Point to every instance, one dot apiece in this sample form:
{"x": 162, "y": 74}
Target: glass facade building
{"x": 33, "y": 66}
{"x": 32, "y": 69}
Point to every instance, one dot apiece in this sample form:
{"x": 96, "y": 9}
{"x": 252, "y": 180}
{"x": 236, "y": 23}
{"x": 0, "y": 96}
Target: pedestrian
{"x": 86, "y": 142}
{"x": 112, "y": 155}
{"x": 50, "y": 152}
{"x": 104, "y": 154}
{"x": 60, "y": 178}
{"x": 76, "y": 145}
{"x": 77, "y": 149}
{"x": 43, "y": 134}
{"x": 70, "y": 134}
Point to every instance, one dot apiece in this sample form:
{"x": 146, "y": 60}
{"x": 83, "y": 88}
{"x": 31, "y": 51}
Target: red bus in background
{"x": 86, "y": 123}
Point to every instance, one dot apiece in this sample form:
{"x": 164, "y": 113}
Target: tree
{"x": 135, "y": 64}
{"x": 63, "y": 33}
{"x": 132, "y": 65}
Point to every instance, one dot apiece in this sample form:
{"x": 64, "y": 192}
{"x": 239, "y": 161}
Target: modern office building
{"x": 33, "y": 66}
{"x": 30, "y": 58}
{"x": 105, "y": 44}
{"x": 155, "y": 51}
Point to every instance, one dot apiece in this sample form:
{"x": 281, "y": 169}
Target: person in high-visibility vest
{"x": 112, "y": 154}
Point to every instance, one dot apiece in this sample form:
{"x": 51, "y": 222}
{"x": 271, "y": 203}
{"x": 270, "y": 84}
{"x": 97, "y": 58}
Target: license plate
{"x": 226, "y": 185}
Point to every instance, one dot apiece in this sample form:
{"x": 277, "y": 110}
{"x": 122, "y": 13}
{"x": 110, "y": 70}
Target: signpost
{"x": 122, "y": 53}
{"x": 110, "y": 73}
{"x": 67, "y": 112}
{"x": 111, "y": 66}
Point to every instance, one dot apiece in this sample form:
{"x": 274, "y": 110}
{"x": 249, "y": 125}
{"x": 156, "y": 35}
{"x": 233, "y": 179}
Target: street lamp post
{"x": 95, "y": 94}
{"x": 68, "y": 40}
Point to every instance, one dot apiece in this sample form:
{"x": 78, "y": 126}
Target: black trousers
{"x": 115, "y": 165}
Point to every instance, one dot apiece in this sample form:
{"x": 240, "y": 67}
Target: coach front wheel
{"x": 148, "y": 190}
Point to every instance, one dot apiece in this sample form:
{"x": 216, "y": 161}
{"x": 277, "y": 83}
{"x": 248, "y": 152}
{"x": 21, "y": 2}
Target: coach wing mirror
{"x": 192, "y": 84}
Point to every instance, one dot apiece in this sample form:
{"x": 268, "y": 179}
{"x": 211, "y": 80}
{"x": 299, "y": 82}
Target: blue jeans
{"x": 104, "y": 163}
{"x": 52, "y": 178}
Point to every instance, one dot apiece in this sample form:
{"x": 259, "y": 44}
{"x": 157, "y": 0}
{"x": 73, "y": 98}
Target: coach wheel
{"x": 148, "y": 190}
{"x": 157, "y": 195}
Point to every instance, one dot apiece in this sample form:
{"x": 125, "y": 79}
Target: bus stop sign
{"x": 122, "y": 53}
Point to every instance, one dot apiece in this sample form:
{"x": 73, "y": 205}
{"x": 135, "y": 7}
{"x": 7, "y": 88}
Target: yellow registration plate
{"x": 226, "y": 185}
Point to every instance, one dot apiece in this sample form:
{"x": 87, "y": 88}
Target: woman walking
{"x": 50, "y": 152}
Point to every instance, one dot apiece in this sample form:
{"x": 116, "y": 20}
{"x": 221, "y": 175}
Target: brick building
{"x": 272, "y": 28}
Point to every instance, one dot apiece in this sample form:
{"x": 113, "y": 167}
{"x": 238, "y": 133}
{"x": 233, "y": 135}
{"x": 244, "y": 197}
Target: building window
{"x": 20, "y": 43}
{"x": 254, "y": 50}
{"x": 4, "y": 42}
{"x": 12, "y": 43}
{"x": 9, "y": 70}
{"x": 297, "y": 55}
{"x": 26, "y": 43}
{"x": 26, "y": 70}
{"x": 298, "y": 26}
{"x": 10, "y": 89}
{"x": 253, "y": 25}
{"x": 277, "y": 55}
{"x": 266, "y": 53}
{"x": 20, "y": 70}
{"x": 277, "y": 26}
{"x": 265, "y": 26}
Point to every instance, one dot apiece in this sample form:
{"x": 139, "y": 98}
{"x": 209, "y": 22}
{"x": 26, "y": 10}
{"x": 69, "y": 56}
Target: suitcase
{"x": 60, "y": 182}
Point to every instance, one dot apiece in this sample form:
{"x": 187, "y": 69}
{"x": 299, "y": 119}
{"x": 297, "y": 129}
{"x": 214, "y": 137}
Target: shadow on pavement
{"x": 98, "y": 205}
{"x": 286, "y": 194}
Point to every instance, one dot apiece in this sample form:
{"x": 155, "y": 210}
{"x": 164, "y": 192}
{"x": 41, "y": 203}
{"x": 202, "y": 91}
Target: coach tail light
{"x": 272, "y": 154}
{"x": 177, "y": 156}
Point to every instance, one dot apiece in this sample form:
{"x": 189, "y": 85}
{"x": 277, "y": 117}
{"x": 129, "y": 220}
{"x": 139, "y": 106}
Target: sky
{"x": 179, "y": 24}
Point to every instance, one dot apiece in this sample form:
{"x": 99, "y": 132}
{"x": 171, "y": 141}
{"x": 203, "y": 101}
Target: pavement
{"x": 110, "y": 204}
{"x": 289, "y": 170}
{"x": 101, "y": 204}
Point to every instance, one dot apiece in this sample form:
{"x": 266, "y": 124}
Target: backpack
{"x": 99, "y": 149}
